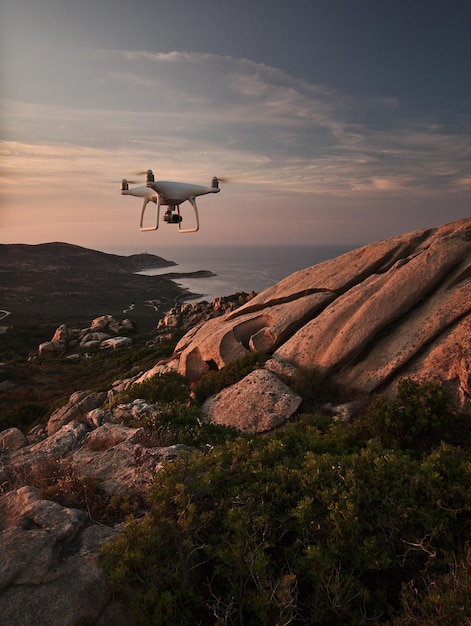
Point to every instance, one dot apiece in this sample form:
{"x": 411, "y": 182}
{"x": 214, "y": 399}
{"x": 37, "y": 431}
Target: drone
{"x": 169, "y": 194}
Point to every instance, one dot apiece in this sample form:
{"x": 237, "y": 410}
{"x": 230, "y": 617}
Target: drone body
{"x": 170, "y": 194}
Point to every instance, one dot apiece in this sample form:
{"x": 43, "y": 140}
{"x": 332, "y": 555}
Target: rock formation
{"x": 190, "y": 315}
{"x": 393, "y": 309}
{"x": 49, "y": 566}
{"x": 103, "y": 332}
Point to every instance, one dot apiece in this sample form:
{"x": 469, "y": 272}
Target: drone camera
{"x": 172, "y": 218}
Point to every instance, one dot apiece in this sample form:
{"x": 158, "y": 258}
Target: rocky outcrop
{"x": 107, "y": 332}
{"x": 393, "y": 309}
{"x": 190, "y": 315}
{"x": 80, "y": 403}
{"x": 49, "y": 570}
{"x": 103, "y": 332}
{"x": 50, "y": 559}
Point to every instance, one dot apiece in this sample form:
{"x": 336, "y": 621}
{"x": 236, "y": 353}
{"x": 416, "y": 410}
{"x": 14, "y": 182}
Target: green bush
{"x": 145, "y": 356}
{"x": 440, "y": 601}
{"x": 168, "y": 387}
{"x": 313, "y": 525}
{"x": 59, "y": 481}
{"x": 418, "y": 418}
{"x": 214, "y": 381}
{"x": 173, "y": 422}
{"x": 314, "y": 388}
{"x": 22, "y": 415}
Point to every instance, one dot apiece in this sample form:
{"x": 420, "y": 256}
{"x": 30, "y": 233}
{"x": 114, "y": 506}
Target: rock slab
{"x": 367, "y": 319}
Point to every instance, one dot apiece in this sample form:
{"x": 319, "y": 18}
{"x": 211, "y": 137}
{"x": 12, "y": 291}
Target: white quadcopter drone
{"x": 170, "y": 194}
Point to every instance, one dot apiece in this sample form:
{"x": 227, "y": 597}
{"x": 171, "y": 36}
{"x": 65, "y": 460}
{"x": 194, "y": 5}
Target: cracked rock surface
{"x": 397, "y": 308}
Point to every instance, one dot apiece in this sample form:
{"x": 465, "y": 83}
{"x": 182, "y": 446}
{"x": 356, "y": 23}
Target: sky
{"x": 335, "y": 121}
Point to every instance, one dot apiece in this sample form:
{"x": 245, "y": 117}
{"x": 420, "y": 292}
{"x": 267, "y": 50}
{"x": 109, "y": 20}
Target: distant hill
{"x": 60, "y": 255}
{"x": 54, "y": 283}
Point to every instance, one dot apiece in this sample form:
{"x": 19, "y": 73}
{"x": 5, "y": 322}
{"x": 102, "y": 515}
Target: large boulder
{"x": 12, "y": 439}
{"x": 260, "y": 402}
{"x": 389, "y": 310}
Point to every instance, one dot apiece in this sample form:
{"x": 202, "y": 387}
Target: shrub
{"x": 59, "y": 481}
{"x": 214, "y": 381}
{"x": 439, "y": 601}
{"x": 418, "y": 418}
{"x": 314, "y": 388}
{"x": 168, "y": 387}
{"x": 173, "y": 422}
{"x": 144, "y": 356}
{"x": 285, "y": 530}
{"x": 22, "y": 415}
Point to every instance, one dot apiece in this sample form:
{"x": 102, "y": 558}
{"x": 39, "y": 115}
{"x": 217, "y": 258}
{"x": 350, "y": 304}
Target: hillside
{"x": 47, "y": 284}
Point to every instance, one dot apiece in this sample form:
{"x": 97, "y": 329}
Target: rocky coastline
{"x": 50, "y": 284}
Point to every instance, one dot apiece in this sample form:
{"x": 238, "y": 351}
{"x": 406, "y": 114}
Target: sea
{"x": 241, "y": 268}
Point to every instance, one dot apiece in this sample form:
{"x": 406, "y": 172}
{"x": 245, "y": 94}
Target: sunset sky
{"x": 337, "y": 121}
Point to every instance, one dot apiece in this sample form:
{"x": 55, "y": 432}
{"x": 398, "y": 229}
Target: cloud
{"x": 190, "y": 116}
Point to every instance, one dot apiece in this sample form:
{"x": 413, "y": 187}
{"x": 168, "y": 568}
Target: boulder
{"x": 260, "y": 402}
{"x": 108, "y": 324}
{"x": 36, "y": 434}
{"x": 65, "y": 334}
{"x": 51, "y": 348}
{"x": 367, "y": 319}
{"x": 157, "y": 370}
{"x": 116, "y": 343}
{"x": 96, "y": 337}
{"x": 80, "y": 402}
{"x": 124, "y": 467}
{"x": 61, "y": 442}
{"x": 12, "y": 439}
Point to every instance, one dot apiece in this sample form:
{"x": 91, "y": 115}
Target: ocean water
{"x": 250, "y": 268}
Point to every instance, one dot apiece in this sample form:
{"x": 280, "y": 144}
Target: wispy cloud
{"x": 194, "y": 115}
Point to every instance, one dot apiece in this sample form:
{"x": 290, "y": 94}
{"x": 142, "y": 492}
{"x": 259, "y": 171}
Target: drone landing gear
{"x": 171, "y": 216}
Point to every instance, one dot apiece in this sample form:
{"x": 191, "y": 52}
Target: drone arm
{"x": 192, "y": 201}
{"x": 157, "y": 214}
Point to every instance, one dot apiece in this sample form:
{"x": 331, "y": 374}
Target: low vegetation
{"x": 214, "y": 381}
{"x": 323, "y": 523}
{"x": 32, "y": 389}
{"x": 58, "y": 480}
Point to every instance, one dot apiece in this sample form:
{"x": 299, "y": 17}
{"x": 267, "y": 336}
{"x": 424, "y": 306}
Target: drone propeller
{"x": 220, "y": 179}
{"x": 118, "y": 182}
